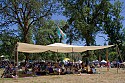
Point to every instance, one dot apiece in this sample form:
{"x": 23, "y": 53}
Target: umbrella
{"x": 103, "y": 61}
{"x": 2, "y": 56}
{"x": 66, "y": 59}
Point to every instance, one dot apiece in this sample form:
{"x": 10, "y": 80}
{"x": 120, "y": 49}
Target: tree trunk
{"x": 26, "y": 40}
{"x": 87, "y": 52}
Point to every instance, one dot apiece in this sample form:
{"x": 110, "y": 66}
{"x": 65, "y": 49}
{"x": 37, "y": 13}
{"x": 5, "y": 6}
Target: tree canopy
{"x": 25, "y": 13}
{"x": 30, "y": 21}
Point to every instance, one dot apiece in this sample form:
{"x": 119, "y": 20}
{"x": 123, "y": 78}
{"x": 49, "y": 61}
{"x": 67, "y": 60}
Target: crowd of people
{"x": 38, "y": 68}
{"x": 48, "y": 68}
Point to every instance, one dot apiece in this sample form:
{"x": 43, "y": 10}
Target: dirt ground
{"x": 103, "y": 77}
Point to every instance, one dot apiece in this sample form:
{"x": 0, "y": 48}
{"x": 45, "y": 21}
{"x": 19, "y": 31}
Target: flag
{"x": 60, "y": 33}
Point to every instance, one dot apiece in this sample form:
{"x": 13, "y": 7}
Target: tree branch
{"x": 18, "y": 18}
{"x": 39, "y": 17}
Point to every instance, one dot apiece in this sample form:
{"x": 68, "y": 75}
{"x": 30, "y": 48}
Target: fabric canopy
{"x": 74, "y": 48}
{"x": 56, "y": 47}
{"x": 97, "y": 47}
{"x": 31, "y": 48}
{"x": 65, "y": 48}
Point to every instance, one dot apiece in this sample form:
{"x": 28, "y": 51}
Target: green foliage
{"x": 113, "y": 23}
{"x": 113, "y": 56}
{"x": 94, "y": 56}
{"x": 7, "y": 43}
{"x": 86, "y": 17}
{"x": 25, "y": 13}
{"x": 21, "y": 56}
{"x": 48, "y": 56}
{"x": 47, "y": 34}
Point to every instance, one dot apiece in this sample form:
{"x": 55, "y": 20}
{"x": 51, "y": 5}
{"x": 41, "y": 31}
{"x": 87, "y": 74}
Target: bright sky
{"x": 99, "y": 40}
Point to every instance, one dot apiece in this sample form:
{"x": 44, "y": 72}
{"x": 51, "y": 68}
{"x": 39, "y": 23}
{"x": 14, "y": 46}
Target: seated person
{"x": 50, "y": 70}
{"x": 8, "y": 72}
{"x": 92, "y": 69}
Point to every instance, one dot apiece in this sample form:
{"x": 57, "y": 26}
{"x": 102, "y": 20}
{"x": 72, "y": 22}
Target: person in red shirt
{"x": 108, "y": 65}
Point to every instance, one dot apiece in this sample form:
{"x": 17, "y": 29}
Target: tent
{"x": 56, "y": 47}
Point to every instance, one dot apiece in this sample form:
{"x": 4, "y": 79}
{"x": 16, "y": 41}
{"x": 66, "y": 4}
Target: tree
{"x": 72, "y": 34}
{"x": 47, "y": 34}
{"x": 86, "y": 17}
{"x": 25, "y": 13}
{"x": 7, "y": 42}
{"x": 112, "y": 56}
{"x": 113, "y": 25}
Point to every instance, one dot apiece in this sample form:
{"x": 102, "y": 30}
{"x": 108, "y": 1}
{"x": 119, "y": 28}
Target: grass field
{"x": 104, "y": 77}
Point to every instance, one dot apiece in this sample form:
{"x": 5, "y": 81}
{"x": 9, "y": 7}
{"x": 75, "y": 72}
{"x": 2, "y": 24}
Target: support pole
{"x": 16, "y": 59}
{"x": 71, "y": 69}
{"x": 117, "y": 57}
{"x": 119, "y": 53}
{"x": 108, "y": 62}
{"x": 57, "y": 56}
{"x": 107, "y": 54}
{"x": 72, "y": 54}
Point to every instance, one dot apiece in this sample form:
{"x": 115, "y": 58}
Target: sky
{"x": 99, "y": 40}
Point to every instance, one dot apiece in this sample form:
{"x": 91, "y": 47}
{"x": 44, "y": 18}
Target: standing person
{"x": 108, "y": 65}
